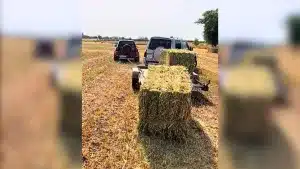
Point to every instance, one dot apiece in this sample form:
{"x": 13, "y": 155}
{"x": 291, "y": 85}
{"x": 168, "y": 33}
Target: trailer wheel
{"x": 137, "y": 59}
{"x": 135, "y": 84}
{"x": 135, "y": 81}
{"x": 116, "y": 58}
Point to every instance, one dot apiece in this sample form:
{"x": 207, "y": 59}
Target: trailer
{"x": 140, "y": 72}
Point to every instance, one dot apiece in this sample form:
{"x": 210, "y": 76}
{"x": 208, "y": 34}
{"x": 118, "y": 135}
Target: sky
{"x": 37, "y": 18}
{"x": 261, "y": 20}
{"x": 257, "y": 20}
{"x": 136, "y": 18}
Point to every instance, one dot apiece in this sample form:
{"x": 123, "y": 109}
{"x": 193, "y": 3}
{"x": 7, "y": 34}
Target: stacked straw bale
{"x": 70, "y": 75}
{"x": 269, "y": 60}
{"x": 164, "y": 102}
{"x": 261, "y": 57}
{"x": 213, "y": 49}
{"x": 178, "y": 57}
{"x": 68, "y": 85}
{"x": 247, "y": 94}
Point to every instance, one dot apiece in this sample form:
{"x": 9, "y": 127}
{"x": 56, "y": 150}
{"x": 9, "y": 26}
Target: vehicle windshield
{"x": 122, "y": 43}
{"x": 238, "y": 51}
{"x": 155, "y": 43}
{"x": 75, "y": 41}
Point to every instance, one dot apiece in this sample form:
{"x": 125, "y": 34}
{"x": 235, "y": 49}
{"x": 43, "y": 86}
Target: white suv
{"x": 156, "y": 44}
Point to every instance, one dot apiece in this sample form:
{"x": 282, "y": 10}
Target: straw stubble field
{"x": 28, "y": 109}
{"x": 110, "y": 117}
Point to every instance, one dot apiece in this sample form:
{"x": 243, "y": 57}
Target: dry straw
{"x": 179, "y": 57}
{"x": 69, "y": 88}
{"x": 213, "y": 49}
{"x": 70, "y": 75}
{"x": 247, "y": 94}
{"x": 261, "y": 57}
{"x": 268, "y": 59}
{"x": 164, "y": 102}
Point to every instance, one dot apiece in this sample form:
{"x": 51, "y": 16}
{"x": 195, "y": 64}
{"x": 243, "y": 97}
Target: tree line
{"x": 113, "y": 38}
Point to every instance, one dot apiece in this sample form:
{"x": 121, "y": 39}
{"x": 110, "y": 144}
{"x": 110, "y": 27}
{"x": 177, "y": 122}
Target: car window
{"x": 177, "y": 44}
{"x": 44, "y": 49}
{"x": 122, "y": 43}
{"x": 155, "y": 43}
{"x": 187, "y": 45}
{"x": 74, "y": 47}
{"x": 184, "y": 45}
{"x": 77, "y": 40}
{"x": 238, "y": 51}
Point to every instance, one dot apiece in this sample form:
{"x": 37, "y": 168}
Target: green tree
{"x": 294, "y": 29}
{"x": 196, "y": 42}
{"x": 210, "y": 21}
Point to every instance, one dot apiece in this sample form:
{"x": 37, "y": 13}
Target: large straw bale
{"x": 68, "y": 84}
{"x": 179, "y": 57}
{"x": 164, "y": 102}
{"x": 261, "y": 57}
{"x": 70, "y": 75}
{"x": 248, "y": 92}
{"x": 269, "y": 60}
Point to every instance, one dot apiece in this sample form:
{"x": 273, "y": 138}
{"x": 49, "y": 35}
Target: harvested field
{"x": 110, "y": 117}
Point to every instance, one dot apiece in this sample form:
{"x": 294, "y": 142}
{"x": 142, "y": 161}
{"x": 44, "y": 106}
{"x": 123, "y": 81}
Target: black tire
{"x": 135, "y": 84}
{"x": 53, "y": 77}
{"x": 142, "y": 66}
{"x": 135, "y": 81}
{"x": 116, "y": 58}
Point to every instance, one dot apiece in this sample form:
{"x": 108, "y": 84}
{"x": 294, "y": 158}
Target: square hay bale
{"x": 181, "y": 57}
{"x": 68, "y": 84}
{"x": 165, "y": 102}
{"x": 247, "y": 94}
{"x": 261, "y": 57}
{"x": 268, "y": 59}
{"x": 70, "y": 75}
{"x": 70, "y": 122}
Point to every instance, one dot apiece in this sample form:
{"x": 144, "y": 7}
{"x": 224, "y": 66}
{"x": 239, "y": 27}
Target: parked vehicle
{"x": 156, "y": 44}
{"x": 74, "y": 46}
{"x": 126, "y": 49}
{"x": 239, "y": 48}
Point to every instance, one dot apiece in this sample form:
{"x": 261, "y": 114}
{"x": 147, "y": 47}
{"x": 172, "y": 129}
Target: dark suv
{"x": 126, "y": 49}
